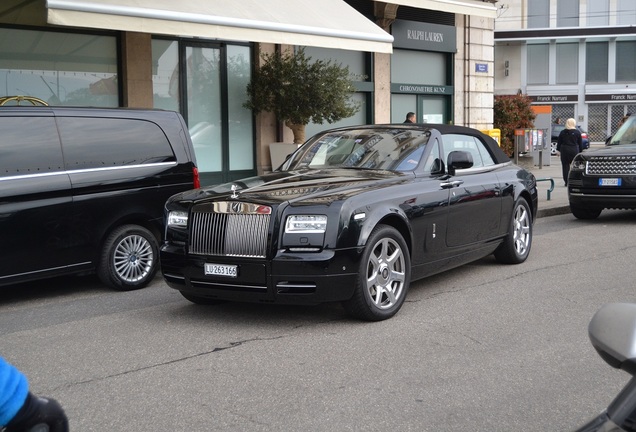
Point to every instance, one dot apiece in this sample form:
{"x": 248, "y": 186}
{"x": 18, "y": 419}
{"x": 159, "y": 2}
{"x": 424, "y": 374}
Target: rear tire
{"x": 516, "y": 246}
{"x": 383, "y": 278}
{"x": 585, "y": 213}
{"x": 130, "y": 258}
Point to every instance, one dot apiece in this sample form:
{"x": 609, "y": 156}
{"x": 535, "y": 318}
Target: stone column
{"x": 136, "y": 76}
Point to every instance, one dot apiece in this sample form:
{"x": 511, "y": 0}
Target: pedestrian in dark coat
{"x": 569, "y": 145}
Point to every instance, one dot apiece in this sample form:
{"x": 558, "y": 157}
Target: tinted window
{"x": 29, "y": 145}
{"x": 108, "y": 142}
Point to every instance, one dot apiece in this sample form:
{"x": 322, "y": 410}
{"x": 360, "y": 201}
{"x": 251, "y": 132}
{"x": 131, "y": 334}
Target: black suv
{"x": 82, "y": 190}
{"x": 605, "y": 177}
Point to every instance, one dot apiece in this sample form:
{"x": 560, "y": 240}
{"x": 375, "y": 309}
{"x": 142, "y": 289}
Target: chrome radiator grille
{"x": 229, "y": 229}
{"x": 612, "y": 165}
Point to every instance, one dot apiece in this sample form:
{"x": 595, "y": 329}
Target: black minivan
{"x": 82, "y": 190}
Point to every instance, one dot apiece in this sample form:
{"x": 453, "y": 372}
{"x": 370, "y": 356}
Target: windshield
{"x": 626, "y": 134}
{"x": 384, "y": 149}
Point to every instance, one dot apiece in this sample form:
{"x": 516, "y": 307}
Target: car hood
{"x": 612, "y": 150}
{"x": 308, "y": 186}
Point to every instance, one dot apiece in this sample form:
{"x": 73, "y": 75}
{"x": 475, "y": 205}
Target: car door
{"x": 429, "y": 210}
{"x": 474, "y": 211}
{"x": 35, "y": 198}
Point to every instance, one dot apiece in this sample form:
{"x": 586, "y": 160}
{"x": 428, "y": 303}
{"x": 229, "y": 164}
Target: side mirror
{"x": 612, "y": 332}
{"x": 459, "y": 160}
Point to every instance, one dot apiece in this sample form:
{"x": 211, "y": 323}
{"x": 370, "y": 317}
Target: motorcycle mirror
{"x": 612, "y": 332}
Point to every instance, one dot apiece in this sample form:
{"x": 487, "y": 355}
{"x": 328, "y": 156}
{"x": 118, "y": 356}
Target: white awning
{"x": 323, "y": 23}
{"x": 462, "y": 7}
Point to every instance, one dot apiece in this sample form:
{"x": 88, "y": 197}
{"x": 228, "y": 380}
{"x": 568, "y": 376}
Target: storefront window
{"x": 241, "y": 136}
{"x": 60, "y": 68}
{"x": 165, "y": 74}
{"x": 358, "y": 69}
{"x": 207, "y": 83}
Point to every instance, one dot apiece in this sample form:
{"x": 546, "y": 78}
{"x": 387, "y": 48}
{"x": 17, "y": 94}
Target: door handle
{"x": 451, "y": 184}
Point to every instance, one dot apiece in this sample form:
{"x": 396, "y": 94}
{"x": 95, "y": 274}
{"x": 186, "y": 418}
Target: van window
{"x": 29, "y": 145}
{"x": 112, "y": 142}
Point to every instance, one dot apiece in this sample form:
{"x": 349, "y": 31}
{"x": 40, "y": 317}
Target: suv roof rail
{"x": 18, "y": 99}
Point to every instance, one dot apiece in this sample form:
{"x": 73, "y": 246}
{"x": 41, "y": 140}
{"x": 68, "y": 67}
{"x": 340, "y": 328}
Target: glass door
{"x": 204, "y": 106}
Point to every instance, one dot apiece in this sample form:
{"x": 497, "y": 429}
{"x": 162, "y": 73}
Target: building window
{"x": 626, "y": 62}
{"x": 206, "y": 82}
{"x": 539, "y": 14}
{"x": 60, "y": 68}
{"x": 596, "y": 62}
{"x": 165, "y": 74}
{"x": 567, "y": 63}
{"x": 598, "y": 13}
{"x": 407, "y": 68}
{"x": 359, "y": 69}
{"x": 538, "y": 61}
{"x": 568, "y": 13}
{"x": 626, "y": 12}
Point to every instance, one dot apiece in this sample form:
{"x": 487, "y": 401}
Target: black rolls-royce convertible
{"x": 354, "y": 215}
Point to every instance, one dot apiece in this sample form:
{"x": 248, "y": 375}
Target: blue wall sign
{"x": 481, "y": 67}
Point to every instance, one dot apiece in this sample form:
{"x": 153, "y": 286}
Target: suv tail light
{"x": 195, "y": 178}
{"x": 583, "y": 135}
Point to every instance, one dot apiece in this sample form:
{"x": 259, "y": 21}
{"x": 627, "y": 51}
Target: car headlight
{"x": 577, "y": 165}
{"x": 306, "y": 224}
{"x": 177, "y": 219}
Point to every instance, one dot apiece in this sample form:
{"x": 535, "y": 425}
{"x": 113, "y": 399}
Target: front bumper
{"x": 584, "y": 191}
{"x": 289, "y": 278}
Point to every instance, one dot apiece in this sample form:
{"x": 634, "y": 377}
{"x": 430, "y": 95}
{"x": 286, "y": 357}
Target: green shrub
{"x": 512, "y": 112}
{"x": 298, "y": 90}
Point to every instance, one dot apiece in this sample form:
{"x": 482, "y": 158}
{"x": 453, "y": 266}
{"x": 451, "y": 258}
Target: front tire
{"x": 383, "y": 278}
{"x": 130, "y": 258}
{"x": 516, "y": 246}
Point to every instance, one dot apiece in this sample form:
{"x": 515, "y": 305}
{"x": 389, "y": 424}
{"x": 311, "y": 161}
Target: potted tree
{"x": 298, "y": 90}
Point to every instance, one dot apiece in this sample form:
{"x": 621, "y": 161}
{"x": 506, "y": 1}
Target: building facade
{"x": 577, "y": 56}
{"x": 431, "y": 57}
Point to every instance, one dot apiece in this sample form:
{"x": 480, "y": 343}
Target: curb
{"x": 553, "y": 211}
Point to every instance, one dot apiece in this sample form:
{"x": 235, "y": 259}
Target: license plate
{"x": 609, "y": 182}
{"x": 221, "y": 270}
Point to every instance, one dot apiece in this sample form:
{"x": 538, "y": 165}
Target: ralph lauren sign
{"x": 424, "y": 36}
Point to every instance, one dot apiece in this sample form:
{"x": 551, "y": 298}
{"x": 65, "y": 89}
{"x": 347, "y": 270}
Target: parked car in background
{"x": 354, "y": 215}
{"x": 605, "y": 177}
{"x": 556, "y": 130}
{"x": 82, "y": 190}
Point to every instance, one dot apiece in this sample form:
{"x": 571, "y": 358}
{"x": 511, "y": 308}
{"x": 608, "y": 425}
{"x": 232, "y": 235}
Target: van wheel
{"x": 130, "y": 258}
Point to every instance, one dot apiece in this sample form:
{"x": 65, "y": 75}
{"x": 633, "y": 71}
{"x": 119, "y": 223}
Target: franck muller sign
{"x": 424, "y": 36}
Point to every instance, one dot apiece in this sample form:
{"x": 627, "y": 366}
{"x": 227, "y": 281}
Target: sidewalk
{"x": 557, "y": 203}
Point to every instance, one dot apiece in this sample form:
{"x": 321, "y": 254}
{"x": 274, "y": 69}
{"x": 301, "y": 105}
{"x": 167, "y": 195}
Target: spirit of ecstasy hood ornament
{"x": 234, "y": 189}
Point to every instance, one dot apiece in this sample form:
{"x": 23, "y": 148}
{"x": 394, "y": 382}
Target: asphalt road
{"x": 485, "y": 347}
